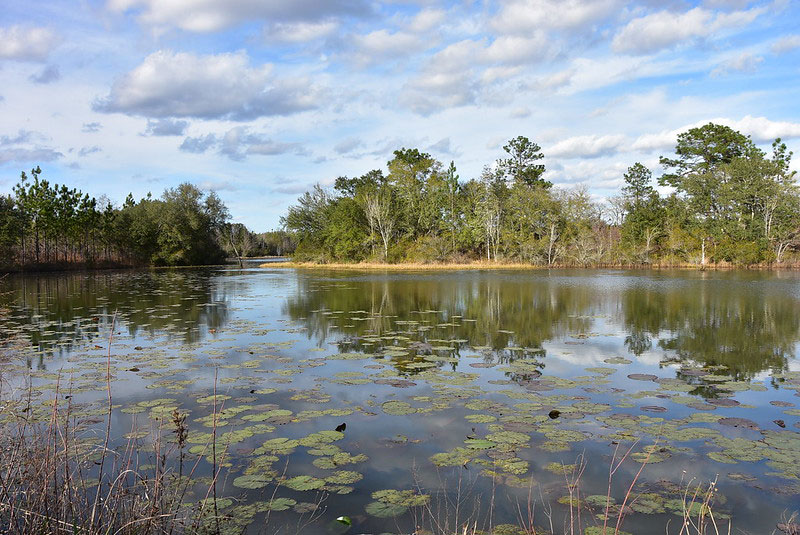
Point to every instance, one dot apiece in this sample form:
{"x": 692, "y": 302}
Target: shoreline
{"x": 491, "y": 266}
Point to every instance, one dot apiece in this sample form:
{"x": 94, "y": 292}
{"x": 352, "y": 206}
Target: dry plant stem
{"x": 65, "y": 443}
{"x": 95, "y": 514}
{"x": 548, "y": 511}
{"x": 630, "y": 488}
{"x": 687, "y": 520}
{"x": 527, "y": 521}
{"x": 214, "y": 451}
{"x": 574, "y": 491}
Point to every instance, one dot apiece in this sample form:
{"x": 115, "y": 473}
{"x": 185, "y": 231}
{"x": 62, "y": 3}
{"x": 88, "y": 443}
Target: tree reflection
{"x": 59, "y": 311}
{"x": 725, "y": 321}
{"x": 721, "y": 321}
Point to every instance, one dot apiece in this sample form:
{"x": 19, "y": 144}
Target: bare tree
{"x": 378, "y": 209}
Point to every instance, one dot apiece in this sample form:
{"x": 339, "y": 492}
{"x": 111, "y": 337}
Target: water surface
{"x": 477, "y": 388}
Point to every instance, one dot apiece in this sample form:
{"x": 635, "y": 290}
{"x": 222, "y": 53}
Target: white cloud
{"x": 22, "y": 148}
{"x": 27, "y": 44}
{"x": 86, "y": 151}
{"x": 169, "y": 84}
{"x": 25, "y": 155}
{"x": 520, "y": 113}
{"x": 198, "y": 144}
{"x": 48, "y": 75}
{"x": 347, "y": 145}
{"x": 214, "y": 15}
{"x": 516, "y": 50}
{"x": 744, "y": 62}
{"x": 665, "y": 139}
{"x": 664, "y": 29}
{"x": 457, "y": 74}
{"x": 525, "y": 16}
{"x": 239, "y": 142}
{"x": 300, "y": 32}
{"x": 555, "y": 80}
{"x": 165, "y": 127}
{"x": 443, "y": 146}
{"x": 786, "y": 44}
{"x": 592, "y": 146}
{"x": 432, "y": 91}
{"x": 426, "y": 20}
{"x": 381, "y": 45}
{"x": 760, "y": 129}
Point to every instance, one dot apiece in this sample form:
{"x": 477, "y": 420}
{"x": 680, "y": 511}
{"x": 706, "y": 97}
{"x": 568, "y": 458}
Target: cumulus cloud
{"x": 22, "y": 136}
{"x": 665, "y": 29}
{"x": 47, "y": 75}
{"x": 431, "y": 92}
{"x": 760, "y": 129}
{"x": 165, "y": 127}
{"x": 381, "y": 45}
{"x": 520, "y": 113}
{"x": 239, "y": 142}
{"x": 23, "y": 155}
{"x": 555, "y": 80}
{"x": 786, "y": 44}
{"x": 299, "y": 32}
{"x": 86, "y": 151}
{"x": 22, "y": 148}
{"x": 456, "y": 75}
{"x": 27, "y": 44}
{"x": 348, "y": 145}
{"x": 524, "y": 16}
{"x": 199, "y": 144}
{"x": 427, "y": 19}
{"x": 443, "y": 146}
{"x": 592, "y": 146}
{"x": 91, "y": 127}
{"x": 212, "y": 16}
{"x": 290, "y": 188}
{"x": 744, "y": 62}
{"x": 218, "y": 185}
{"x": 220, "y": 86}
{"x": 517, "y": 50}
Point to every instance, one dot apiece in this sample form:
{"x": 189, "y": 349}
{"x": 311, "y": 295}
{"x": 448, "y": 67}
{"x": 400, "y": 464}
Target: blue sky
{"x": 259, "y": 99}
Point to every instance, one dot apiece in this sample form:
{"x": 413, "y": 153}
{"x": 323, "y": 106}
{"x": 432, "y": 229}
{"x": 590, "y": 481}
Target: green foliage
{"x": 730, "y": 203}
{"x": 44, "y": 224}
{"x": 521, "y": 167}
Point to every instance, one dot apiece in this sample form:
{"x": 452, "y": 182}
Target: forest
{"x": 47, "y": 226}
{"x": 728, "y": 203}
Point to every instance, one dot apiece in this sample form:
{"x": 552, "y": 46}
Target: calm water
{"x": 446, "y": 383}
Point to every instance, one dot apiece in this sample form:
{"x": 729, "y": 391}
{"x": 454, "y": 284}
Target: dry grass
{"x": 402, "y": 267}
{"x": 517, "y": 266}
{"x": 457, "y": 508}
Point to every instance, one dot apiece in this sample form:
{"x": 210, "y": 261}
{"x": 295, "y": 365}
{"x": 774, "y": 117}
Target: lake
{"x": 480, "y": 397}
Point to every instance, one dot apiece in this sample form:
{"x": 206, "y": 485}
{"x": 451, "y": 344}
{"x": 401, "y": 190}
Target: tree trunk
{"x": 703, "y": 254}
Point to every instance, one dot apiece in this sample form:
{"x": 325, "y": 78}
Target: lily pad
{"x": 303, "y": 483}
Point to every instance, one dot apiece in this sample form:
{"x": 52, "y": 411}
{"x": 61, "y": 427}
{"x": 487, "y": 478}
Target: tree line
{"x": 44, "y": 225}
{"x": 728, "y": 202}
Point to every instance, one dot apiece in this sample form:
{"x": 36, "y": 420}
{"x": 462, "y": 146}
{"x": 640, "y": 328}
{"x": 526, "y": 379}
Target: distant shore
{"x": 478, "y": 266}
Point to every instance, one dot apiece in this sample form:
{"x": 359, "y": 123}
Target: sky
{"x": 260, "y": 99}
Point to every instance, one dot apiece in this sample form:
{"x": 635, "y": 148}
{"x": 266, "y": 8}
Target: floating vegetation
{"x": 427, "y": 382}
{"x": 390, "y": 503}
